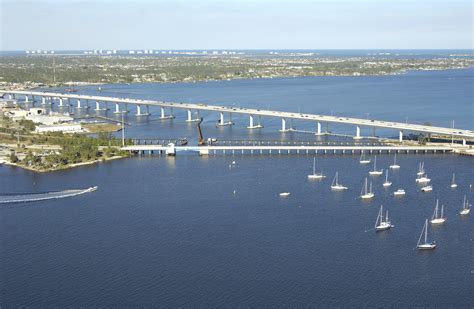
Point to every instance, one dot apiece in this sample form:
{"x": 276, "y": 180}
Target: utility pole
{"x": 54, "y": 70}
{"x": 123, "y": 132}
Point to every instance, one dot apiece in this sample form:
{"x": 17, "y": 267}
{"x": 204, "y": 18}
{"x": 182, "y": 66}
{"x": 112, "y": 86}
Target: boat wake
{"x": 35, "y": 197}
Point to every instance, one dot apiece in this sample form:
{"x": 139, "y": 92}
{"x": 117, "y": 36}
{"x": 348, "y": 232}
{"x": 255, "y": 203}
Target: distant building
{"x": 65, "y": 128}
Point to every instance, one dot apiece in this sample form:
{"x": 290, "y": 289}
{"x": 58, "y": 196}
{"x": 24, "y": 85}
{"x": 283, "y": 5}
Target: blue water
{"x": 170, "y": 232}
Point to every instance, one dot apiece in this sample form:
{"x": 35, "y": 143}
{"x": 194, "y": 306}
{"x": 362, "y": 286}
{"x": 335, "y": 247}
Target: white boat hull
{"x": 338, "y": 188}
{"x": 387, "y": 184}
{"x": 382, "y": 227}
{"x": 316, "y": 176}
{"x": 438, "y": 221}
{"x": 465, "y": 211}
{"x": 454, "y": 185}
{"x": 426, "y": 247}
{"x": 364, "y": 161}
{"x": 367, "y": 196}
{"x": 284, "y": 194}
{"x": 375, "y": 173}
{"x": 394, "y": 167}
{"x": 427, "y": 189}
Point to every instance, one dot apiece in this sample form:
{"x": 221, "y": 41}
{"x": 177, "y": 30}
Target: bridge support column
{"x": 222, "y": 120}
{"x": 251, "y": 123}
{"x": 283, "y": 125}
{"x": 400, "y": 136}
{"x": 357, "y": 133}
{"x": 464, "y": 142}
{"x": 318, "y": 128}
{"x": 117, "y": 108}
{"x": 79, "y": 104}
{"x": 190, "y": 116}
{"x": 26, "y": 98}
{"x": 43, "y": 101}
{"x": 61, "y": 103}
{"x": 163, "y": 115}
{"x": 139, "y": 111}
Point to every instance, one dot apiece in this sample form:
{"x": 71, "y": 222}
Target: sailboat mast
{"x": 426, "y": 231}
{"x": 314, "y": 166}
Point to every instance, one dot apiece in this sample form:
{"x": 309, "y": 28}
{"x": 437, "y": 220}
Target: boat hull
{"x": 426, "y": 247}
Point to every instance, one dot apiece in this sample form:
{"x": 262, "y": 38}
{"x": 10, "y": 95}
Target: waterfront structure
{"x": 318, "y": 120}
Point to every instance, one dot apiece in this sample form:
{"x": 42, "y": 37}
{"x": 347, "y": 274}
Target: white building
{"x": 65, "y": 128}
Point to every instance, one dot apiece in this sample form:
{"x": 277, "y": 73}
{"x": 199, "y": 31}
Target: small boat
{"x": 427, "y": 189}
{"x": 425, "y": 245}
{"x": 382, "y": 224}
{"x": 438, "y": 219}
{"x": 336, "y": 186}
{"x": 315, "y": 175}
{"x": 284, "y": 194}
{"x": 421, "y": 169}
{"x": 387, "y": 183}
{"x": 465, "y": 207}
{"x": 182, "y": 141}
{"x": 362, "y": 159}
{"x": 453, "y": 183}
{"x": 92, "y": 189}
{"x": 364, "y": 194}
{"x": 395, "y": 166}
{"x": 375, "y": 172}
{"x": 422, "y": 179}
{"x": 399, "y": 192}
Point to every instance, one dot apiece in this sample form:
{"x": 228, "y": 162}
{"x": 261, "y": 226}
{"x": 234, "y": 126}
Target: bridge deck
{"x": 460, "y": 133}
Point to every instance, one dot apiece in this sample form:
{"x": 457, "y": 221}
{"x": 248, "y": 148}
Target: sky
{"x": 244, "y": 24}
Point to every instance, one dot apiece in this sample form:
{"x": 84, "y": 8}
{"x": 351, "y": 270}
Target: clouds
{"x": 212, "y": 24}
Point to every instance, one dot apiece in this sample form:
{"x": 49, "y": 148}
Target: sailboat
{"x": 435, "y": 219}
{"x": 399, "y": 192}
{"x": 465, "y": 207}
{"x": 395, "y": 166}
{"x": 315, "y": 175}
{"x": 425, "y": 245}
{"x": 427, "y": 189}
{"x": 421, "y": 169}
{"x": 387, "y": 183}
{"x": 364, "y": 194}
{"x": 453, "y": 183}
{"x": 382, "y": 224}
{"x": 336, "y": 186}
{"x": 362, "y": 159}
{"x": 422, "y": 179}
{"x": 375, "y": 172}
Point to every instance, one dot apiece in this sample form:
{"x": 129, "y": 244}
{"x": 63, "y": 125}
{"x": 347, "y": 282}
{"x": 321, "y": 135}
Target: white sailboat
{"x": 387, "y": 183}
{"x": 336, "y": 186}
{"x": 425, "y": 245}
{"x": 427, "y": 189}
{"x": 284, "y": 194}
{"x": 364, "y": 194}
{"x": 399, "y": 192}
{"x": 465, "y": 207}
{"x": 422, "y": 179}
{"x": 436, "y": 218}
{"x": 421, "y": 169}
{"x": 395, "y": 166}
{"x": 382, "y": 224}
{"x": 453, "y": 183}
{"x": 315, "y": 175}
{"x": 375, "y": 172}
{"x": 362, "y": 159}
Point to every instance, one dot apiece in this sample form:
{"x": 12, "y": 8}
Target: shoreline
{"x": 66, "y": 167}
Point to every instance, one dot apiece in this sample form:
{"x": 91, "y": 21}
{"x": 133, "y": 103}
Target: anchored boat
{"x": 425, "y": 245}
{"x": 382, "y": 224}
{"x": 438, "y": 218}
{"x": 336, "y": 186}
{"x": 315, "y": 175}
{"x": 364, "y": 194}
{"x": 375, "y": 172}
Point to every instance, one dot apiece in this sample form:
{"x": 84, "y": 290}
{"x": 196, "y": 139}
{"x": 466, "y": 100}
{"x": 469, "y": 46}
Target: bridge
{"x": 82, "y": 101}
{"x": 284, "y": 149}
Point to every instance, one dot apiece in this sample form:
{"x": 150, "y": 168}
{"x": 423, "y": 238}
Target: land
{"x": 20, "y": 146}
{"x": 31, "y": 71}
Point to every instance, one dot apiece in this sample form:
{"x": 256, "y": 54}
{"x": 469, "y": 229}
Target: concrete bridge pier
{"x": 26, "y": 98}
{"x": 139, "y": 111}
{"x": 117, "y": 109}
{"x": 251, "y": 124}
{"x": 222, "y": 120}
{"x": 163, "y": 116}
{"x": 400, "y": 136}
{"x": 357, "y": 137}
{"x": 283, "y": 125}
{"x": 61, "y": 103}
{"x": 98, "y": 108}
{"x": 464, "y": 142}
{"x": 318, "y": 128}
{"x": 43, "y": 101}
{"x": 190, "y": 116}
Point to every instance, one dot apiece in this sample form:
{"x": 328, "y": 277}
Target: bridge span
{"x": 284, "y": 149}
{"x": 82, "y": 101}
